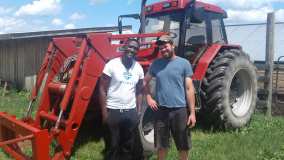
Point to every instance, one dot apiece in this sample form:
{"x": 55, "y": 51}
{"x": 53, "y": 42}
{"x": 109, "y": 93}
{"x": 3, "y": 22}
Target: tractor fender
{"x": 208, "y": 56}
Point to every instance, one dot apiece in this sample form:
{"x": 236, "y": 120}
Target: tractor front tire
{"x": 146, "y": 130}
{"x": 146, "y": 124}
{"x": 229, "y": 90}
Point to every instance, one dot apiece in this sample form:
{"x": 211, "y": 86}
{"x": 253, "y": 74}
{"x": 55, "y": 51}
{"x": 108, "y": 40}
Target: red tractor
{"x": 66, "y": 86}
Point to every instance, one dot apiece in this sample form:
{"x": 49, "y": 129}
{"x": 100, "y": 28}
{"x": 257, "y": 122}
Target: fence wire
{"x": 252, "y": 37}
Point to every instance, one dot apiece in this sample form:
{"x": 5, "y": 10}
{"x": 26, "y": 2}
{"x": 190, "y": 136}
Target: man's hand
{"x": 191, "y": 120}
{"x": 190, "y": 97}
{"x": 152, "y": 103}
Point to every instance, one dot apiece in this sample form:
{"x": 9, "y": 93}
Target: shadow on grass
{"x": 91, "y": 130}
{"x": 208, "y": 124}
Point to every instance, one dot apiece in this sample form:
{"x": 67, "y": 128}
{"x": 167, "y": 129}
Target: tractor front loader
{"x": 66, "y": 82}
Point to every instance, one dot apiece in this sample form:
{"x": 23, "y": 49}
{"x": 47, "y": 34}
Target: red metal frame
{"x": 71, "y": 99}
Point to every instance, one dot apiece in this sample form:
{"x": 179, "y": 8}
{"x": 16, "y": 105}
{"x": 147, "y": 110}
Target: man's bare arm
{"x": 139, "y": 95}
{"x": 103, "y": 88}
{"x": 190, "y": 97}
{"x": 151, "y": 102}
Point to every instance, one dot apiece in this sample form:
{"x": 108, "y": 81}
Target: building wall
{"x": 21, "y": 58}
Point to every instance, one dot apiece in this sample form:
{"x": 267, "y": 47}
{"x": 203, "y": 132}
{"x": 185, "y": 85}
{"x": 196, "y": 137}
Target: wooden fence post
{"x": 269, "y": 60}
{"x": 4, "y": 89}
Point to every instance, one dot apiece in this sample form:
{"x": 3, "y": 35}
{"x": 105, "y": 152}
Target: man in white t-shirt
{"x": 121, "y": 97}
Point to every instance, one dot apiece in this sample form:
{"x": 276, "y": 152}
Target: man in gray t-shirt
{"x": 170, "y": 80}
{"x": 174, "y": 105}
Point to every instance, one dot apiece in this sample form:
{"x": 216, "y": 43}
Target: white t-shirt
{"x": 121, "y": 92}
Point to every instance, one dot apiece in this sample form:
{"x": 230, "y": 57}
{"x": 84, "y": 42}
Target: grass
{"x": 263, "y": 139}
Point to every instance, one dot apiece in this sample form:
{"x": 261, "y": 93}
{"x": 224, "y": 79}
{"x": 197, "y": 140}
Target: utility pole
{"x": 269, "y": 60}
{"x": 142, "y": 16}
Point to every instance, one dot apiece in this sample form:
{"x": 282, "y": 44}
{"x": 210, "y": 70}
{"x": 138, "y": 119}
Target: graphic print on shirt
{"x": 127, "y": 75}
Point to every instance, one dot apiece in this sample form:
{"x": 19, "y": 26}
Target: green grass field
{"x": 263, "y": 139}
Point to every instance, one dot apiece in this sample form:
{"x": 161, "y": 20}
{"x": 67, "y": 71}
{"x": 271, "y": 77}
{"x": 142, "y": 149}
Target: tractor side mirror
{"x": 197, "y": 15}
{"x": 135, "y": 16}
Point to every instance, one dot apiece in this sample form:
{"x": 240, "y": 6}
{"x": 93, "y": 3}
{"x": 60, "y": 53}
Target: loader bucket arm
{"x": 48, "y": 59}
{"x": 64, "y": 102}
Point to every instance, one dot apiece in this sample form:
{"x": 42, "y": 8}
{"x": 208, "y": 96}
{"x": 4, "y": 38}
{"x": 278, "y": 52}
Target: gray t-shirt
{"x": 170, "y": 81}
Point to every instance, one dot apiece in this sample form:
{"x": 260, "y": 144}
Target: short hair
{"x": 164, "y": 39}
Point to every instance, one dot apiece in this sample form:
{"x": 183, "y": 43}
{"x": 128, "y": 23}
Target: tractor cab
{"x": 193, "y": 25}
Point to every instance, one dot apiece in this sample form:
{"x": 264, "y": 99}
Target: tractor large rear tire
{"x": 229, "y": 90}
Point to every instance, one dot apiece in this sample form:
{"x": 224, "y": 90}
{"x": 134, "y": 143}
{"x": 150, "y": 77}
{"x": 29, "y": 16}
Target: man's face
{"x": 167, "y": 50}
{"x": 132, "y": 48}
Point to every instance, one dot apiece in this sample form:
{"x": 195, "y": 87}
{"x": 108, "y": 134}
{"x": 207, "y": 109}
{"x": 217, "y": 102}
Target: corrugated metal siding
{"x": 6, "y": 61}
{"x": 21, "y": 58}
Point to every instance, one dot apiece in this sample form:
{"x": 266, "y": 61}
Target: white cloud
{"x": 241, "y": 11}
{"x": 40, "y": 7}
{"x": 16, "y": 25}
{"x": 95, "y": 2}
{"x": 11, "y": 24}
{"x": 253, "y": 15}
{"x": 4, "y": 10}
{"x": 57, "y": 22}
{"x": 243, "y": 4}
{"x": 69, "y": 26}
{"x": 279, "y": 14}
{"x": 77, "y": 16}
{"x": 240, "y": 4}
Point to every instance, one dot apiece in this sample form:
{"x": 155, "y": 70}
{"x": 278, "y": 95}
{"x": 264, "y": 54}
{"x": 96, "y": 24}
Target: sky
{"x": 41, "y": 15}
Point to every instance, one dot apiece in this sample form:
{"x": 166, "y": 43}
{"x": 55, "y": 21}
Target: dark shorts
{"x": 172, "y": 121}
